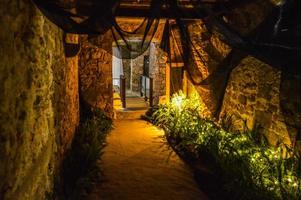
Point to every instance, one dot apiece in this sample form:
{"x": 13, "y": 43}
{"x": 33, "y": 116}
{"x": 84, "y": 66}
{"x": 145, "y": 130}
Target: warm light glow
{"x": 177, "y": 100}
{"x": 272, "y": 169}
{"x": 181, "y": 101}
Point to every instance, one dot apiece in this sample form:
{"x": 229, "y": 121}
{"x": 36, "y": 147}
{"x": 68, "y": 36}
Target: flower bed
{"x": 250, "y": 168}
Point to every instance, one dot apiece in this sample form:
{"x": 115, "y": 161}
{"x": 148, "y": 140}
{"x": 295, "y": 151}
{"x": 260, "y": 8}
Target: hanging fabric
{"x": 271, "y": 42}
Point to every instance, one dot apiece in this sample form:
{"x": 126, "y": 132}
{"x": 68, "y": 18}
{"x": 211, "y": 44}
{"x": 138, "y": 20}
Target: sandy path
{"x": 138, "y": 165}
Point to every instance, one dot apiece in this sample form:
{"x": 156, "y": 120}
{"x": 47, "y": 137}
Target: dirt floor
{"x": 138, "y": 165}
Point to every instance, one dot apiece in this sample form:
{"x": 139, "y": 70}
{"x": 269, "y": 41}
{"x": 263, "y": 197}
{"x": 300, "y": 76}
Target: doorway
{"x": 130, "y": 85}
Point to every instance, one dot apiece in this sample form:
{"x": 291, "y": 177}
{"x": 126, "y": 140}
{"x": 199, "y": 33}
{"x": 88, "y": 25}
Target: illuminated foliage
{"x": 251, "y": 168}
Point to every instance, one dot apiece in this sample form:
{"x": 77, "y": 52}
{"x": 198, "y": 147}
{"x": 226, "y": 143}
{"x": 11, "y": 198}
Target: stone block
{"x": 242, "y": 99}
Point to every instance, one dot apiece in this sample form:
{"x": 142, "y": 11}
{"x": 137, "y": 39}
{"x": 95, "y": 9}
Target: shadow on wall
{"x": 290, "y": 104}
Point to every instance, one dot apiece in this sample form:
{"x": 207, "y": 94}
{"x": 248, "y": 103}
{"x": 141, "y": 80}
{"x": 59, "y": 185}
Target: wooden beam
{"x": 167, "y": 82}
{"x": 187, "y": 10}
{"x": 144, "y": 11}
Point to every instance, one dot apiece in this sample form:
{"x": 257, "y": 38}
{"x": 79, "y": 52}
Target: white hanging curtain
{"x": 117, "y": 66}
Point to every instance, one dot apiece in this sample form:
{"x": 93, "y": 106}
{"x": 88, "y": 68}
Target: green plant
{"x": 251, "y": 169}
{"x": 81, "y": 167}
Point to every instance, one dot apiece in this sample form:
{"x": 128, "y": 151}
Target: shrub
{"x": 81, "y": 167}
{"x": 251, "y": 169}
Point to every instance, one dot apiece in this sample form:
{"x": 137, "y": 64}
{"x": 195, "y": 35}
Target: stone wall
{"x": 213, "y": 52}
{"x": 133, "y": 70}
{"x": 95, "y": 72}
{"x": 137, "y": 71}
{"x": 127, "y": 71}
{"x": 66, "y": 98}
{"x": 253, "y": 96}
{"x": 38, "y": 100}
{"x": 256, "y": 93}
{"x": 261, "y": 95}
{"x": 157, "y": 62}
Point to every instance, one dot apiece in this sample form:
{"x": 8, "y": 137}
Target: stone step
{"x": 129, "y": 114}
{"x": 136, "y": 106}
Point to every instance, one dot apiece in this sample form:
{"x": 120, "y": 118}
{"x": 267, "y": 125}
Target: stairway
{"x": 135, "y": 107}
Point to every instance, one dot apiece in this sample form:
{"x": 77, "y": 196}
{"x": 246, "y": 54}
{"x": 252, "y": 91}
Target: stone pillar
{"x": 95, "y": 73}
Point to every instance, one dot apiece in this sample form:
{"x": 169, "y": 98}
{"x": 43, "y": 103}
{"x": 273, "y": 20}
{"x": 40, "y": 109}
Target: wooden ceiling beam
{"x": 187, "y": 10}
{"x": 143, "y": 11}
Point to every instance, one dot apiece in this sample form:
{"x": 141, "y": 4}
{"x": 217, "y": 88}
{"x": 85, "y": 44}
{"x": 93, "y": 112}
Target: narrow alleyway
{"x": 138, "y": 165}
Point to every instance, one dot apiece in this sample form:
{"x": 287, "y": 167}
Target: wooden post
{"x": 151, "y": 98}
{"x": 145, "y": 88}
{"x": 185, "y": 83}
{"x": 141, "y": 86}
{"x": 122, "y": 91}
{"x": 167, "y": 82}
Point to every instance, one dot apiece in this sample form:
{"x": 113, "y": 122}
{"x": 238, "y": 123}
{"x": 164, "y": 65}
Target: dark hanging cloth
{"x": 80, "y": 16}
{"x": 276, "y": 41}
{"x": 97, "y": 18}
